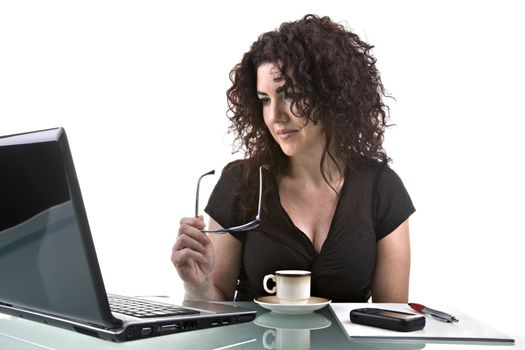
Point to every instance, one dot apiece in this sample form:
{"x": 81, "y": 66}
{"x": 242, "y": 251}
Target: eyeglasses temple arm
{"x": 211, "y": 172}
{"x": 258, "y": 217}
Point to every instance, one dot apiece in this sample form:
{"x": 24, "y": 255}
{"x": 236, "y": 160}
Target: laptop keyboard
{"x": 145, "y": 308}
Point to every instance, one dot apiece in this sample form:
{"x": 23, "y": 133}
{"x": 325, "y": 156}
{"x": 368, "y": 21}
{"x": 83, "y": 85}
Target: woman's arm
{"x": 390, "y": 282}
{"x": 228, "y": 253}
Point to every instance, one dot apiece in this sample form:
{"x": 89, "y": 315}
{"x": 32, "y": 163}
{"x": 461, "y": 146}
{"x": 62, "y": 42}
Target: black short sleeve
{"x": 392, "y": 202}
{"x": 223, "y": 204}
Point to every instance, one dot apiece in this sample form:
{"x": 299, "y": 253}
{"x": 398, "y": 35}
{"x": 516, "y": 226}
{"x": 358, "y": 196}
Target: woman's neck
{"x": 308, "y": 170}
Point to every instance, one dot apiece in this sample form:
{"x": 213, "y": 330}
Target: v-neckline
{"x": 299, "y": 231}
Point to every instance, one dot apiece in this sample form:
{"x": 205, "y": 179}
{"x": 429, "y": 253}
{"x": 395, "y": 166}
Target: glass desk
{"x": 318, "y": 330}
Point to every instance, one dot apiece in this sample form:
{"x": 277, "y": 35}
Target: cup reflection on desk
{"x": 291, "y": 286}
{"x": 289, "y": 331}
{"x": 296, "y": 339}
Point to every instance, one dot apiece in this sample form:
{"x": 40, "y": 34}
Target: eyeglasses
{"x": 245, "y": 227}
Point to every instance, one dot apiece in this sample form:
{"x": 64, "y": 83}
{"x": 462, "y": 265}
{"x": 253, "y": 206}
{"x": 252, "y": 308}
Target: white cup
{"x": 290, "y": 285}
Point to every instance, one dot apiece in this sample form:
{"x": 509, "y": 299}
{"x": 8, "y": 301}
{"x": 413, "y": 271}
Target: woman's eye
{"x": 264, "y": 100}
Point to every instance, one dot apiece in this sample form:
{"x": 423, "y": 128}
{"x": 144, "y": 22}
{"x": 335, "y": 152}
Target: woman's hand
{"x": 193, "y": 256}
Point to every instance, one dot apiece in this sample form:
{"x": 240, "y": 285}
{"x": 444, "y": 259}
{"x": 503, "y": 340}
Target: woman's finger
{"x": 197, "y": 222}
{"x": 194, "y": 233}
{"x": 186, "y": 241}
{"x": 184, "y": 256}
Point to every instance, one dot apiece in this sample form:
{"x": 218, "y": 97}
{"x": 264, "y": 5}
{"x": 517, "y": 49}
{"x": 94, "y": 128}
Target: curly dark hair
{"x": 331, "y": 78}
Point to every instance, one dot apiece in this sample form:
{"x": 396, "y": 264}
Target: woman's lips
{"x": 286, "y": 134}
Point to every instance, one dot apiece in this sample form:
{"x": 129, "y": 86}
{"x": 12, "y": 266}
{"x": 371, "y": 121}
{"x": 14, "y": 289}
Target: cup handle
{"x": 266, "y": 344}
{"x": 265, "y": 281}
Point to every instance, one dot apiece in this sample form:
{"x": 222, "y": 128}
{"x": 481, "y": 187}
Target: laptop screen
{"x": 47, "y": 259}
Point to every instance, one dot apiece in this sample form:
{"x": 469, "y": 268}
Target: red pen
{"x": 438, "y": 315}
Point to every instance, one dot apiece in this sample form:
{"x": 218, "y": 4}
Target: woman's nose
{"x": 278, "y": 112}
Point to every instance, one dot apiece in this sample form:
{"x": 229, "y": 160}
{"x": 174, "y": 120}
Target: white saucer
{"x": 271, "y": 302}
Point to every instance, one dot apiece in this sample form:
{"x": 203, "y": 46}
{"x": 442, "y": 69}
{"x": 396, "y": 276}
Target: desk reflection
{"x": 317, "y": 330}
{"x": 289, "y": 331}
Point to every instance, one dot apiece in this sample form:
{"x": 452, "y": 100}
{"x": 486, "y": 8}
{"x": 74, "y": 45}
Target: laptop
{"x": 49, "y": 270}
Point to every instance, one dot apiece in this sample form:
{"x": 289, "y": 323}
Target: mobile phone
{"x": 388, "y": 319}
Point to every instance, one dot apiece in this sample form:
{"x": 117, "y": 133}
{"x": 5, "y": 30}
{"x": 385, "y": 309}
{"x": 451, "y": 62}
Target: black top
{"x": 373, "y": 202}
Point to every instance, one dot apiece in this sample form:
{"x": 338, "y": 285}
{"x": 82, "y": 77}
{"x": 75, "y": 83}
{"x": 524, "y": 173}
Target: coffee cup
{"x": 291, "y": 286}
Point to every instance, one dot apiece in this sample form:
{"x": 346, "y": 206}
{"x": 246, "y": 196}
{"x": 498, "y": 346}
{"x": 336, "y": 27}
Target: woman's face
{"x": 294, "y": 135}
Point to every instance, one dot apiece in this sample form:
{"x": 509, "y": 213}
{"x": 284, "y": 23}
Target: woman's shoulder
{"x": 234, "y": 165}
{"x": 374, "y": 173}
{"x": 369, "y": 168}
{"x": 228, "y": 181}
{"x": 233, "y": 172}
{"x": 234, "y": 168}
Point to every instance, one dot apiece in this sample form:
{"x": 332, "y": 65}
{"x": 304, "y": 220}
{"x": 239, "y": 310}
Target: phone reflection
{"x": 289, "y": 331}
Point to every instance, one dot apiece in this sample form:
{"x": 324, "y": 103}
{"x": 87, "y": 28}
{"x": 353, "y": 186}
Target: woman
{"x": 306, "y": 100}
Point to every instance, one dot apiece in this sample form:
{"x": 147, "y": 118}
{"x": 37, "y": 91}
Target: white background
{"x": 140, "y": 88}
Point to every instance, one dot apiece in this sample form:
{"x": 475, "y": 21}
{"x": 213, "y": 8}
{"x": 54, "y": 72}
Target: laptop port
{"x": 145, "y": 331}
{"x": 188, "y": 325}
{"x": 172, "y": 327}
{"x": 215, "y": 322}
